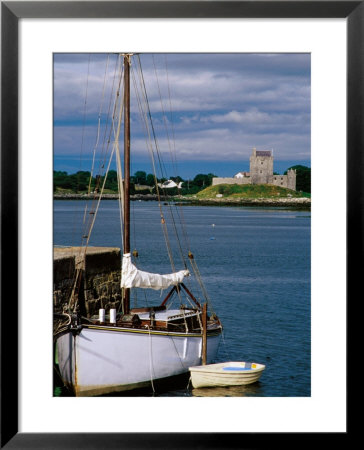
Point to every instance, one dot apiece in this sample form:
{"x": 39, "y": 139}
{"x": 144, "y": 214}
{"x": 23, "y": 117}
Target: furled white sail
{"x": 132, "y": 277}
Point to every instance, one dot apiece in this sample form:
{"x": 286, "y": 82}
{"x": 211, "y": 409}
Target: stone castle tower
{"x": 261, "y": 172}
{"x": 291, "y": 179}
{"x": 261, "y": 166}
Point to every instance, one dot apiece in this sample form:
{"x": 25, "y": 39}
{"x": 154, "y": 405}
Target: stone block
{"x": 102, "y": 277}
{"x": 63, "y": 269}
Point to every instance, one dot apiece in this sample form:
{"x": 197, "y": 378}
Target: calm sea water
{"x": 255, "y": 264}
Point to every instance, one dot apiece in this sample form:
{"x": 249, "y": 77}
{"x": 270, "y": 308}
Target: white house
{"x": 170, "y": 184}
{"x": 242, "y": 175}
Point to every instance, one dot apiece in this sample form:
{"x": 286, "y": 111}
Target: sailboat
{"x": 134, "y": 347}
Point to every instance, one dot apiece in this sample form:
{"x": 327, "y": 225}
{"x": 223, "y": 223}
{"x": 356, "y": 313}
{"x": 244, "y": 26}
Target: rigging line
{"x": 85, "y": 110}
{"x": 148, "y": 141}
{"x": 146, "y": 114}
{"x": 179, "y": 209}
{"x": 78, "y": 275}
{"x": 202, "y": 286}
{"x": 99, "y": 122}
{"x": 194, "y": 265}
{"x": 182, "y": 222}
{"x": 147, "y": 134}
{"x": 173, "y": 221}
{"x": 170, "y": 208}
{"x": 163, "y": 221}
{"x": 119, "y": 167}
{"x": 116, "y": 101}
{"x": 83, "y": 249}
{"x": 83, "y": 133}
{"x": 73, "y": 300}
{"x": 111, "y": 105}
{"x": 170, "y": 106}
{"x": 145, "y": 122}
{"x": 97, "y": 136}
{"x": 162, "y": 107}
{"x": 83, "y": 128}
{"x": 110, "y": 128}
{"x": 143, "y": 89}
{"x": 81, "y": 150}
{"x": 87, "y": 230}
{"x": 114, "y": 147}
{"x": 105, "y": 144}
{"x": 170, "y": 150}
{"x": 145, "y": 97}
{"x": 133, "y": 235}
{"x": 172, "y": 153}
{"x": 177, "y": 352}
{"x": 88, "y": 235}
{"x": 120, "y": 192}
{"x": 98, "y": 177}
{"x": 99, "y": 199}
{"x": 147, "y": 130}
{"x": 184, "y": 320}
{"x": 160, "y": 160}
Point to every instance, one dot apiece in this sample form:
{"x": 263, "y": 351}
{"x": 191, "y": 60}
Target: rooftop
{"x": 263, "y": 153}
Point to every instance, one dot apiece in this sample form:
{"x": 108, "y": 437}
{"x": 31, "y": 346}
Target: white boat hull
{"x": 226, "y": 374}
{"x": 99, "y": 361}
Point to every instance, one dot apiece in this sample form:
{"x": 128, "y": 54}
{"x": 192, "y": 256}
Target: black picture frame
{"x": 11, "y": 13}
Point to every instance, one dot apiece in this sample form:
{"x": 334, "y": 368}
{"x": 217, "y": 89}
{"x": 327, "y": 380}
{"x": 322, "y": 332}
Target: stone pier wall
{"x": 100, "y": 284}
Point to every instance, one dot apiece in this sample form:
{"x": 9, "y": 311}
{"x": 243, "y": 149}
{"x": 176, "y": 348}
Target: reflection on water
{"x": 253, "y": 389}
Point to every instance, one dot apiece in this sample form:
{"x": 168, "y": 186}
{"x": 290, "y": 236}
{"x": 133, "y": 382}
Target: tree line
{"x": 144, "y": 183}
{"x": 140, "y": 182}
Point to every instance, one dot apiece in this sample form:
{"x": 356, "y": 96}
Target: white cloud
{"x": 220, "y": 106}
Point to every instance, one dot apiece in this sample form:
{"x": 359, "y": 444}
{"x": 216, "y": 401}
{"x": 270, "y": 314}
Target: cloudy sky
{"x": 217, "y": 107}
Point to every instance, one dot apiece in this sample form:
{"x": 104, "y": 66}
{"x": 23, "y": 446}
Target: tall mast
{"x": 126, "y": 299}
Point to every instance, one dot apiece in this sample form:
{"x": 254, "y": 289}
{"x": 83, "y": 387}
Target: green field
{"x": 249, "y": 191}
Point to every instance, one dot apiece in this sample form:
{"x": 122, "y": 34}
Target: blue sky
{"x": 217, "y": 108}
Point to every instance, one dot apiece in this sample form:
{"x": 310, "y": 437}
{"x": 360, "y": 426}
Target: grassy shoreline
{"x": 297, "y": 202}
{"x": 219, "y": 195}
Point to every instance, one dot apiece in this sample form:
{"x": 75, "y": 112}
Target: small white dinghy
{"x": 230, "y": 373}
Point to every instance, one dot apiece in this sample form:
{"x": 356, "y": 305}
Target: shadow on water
{"x": 178, "y": 386}
{"x": 175, "y": 386}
